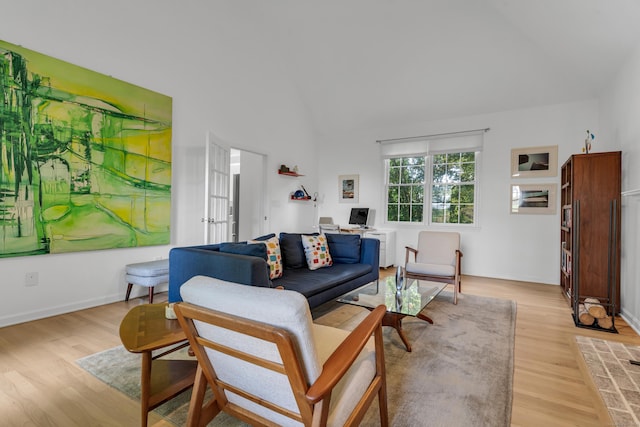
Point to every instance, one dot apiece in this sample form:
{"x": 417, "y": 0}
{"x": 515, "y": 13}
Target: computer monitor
{"x": 359, "y": 216}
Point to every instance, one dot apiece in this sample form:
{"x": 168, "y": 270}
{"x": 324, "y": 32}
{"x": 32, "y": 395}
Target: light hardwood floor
{"x": 40, "y": 384}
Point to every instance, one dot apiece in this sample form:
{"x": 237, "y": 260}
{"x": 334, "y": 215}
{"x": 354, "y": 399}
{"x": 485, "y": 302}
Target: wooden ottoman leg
{"x": 150, "y": 294}
{"x": 128, "y": 291}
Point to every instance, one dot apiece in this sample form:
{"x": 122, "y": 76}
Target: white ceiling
{"x": 373, "y": 63}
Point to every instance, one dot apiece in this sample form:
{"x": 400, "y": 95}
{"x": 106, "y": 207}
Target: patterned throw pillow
{"x": 316, "y": 250}
{"x": 274, "y": 257}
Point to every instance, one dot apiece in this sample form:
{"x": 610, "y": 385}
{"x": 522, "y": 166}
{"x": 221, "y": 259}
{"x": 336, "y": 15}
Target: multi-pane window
{"x": 441, "y": 186}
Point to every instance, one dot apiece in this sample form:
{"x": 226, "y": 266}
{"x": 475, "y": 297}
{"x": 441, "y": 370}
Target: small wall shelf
{"x": 289, "y": 173}
{"x": 301, "y": 199}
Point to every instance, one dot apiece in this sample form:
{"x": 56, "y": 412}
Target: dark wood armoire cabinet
{"x": 590, "y": 233}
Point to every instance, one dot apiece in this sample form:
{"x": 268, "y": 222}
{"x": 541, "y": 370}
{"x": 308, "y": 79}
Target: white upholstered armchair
{"x": 437, "y": 258}
{"x": 267, "y": 363}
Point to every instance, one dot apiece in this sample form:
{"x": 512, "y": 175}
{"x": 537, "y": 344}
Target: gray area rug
{"x": 460, "y": 372}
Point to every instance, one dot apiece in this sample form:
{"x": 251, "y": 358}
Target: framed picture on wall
{"x": 534, "y": 162}
{"x": 533, "y": 199}
{"x": 348, "y": 188}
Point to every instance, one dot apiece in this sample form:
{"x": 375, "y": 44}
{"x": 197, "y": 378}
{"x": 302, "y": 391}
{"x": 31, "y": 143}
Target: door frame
{"x": 211, "y": 138}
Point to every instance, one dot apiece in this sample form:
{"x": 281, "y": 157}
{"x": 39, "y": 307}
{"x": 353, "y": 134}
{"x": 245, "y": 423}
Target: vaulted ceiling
{"x": 372, "y": 63}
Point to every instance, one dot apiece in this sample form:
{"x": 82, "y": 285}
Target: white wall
{"x": 222, "y": 78}
{"x": 620, "y": 120}
{"x": 518, "y": 247}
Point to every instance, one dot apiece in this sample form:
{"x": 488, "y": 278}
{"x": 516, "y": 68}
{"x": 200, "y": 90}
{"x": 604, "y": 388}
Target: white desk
{"x": 387, "y": 245}
{"x": 356, "y": 230}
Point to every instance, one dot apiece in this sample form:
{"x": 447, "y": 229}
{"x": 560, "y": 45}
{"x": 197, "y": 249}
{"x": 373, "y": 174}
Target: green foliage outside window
{"x": 405, "y": 189}
{"x": 453, "y": 188}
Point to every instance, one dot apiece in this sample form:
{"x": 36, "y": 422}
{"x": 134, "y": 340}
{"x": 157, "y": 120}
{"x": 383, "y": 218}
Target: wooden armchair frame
{"x": 307, "y": 396}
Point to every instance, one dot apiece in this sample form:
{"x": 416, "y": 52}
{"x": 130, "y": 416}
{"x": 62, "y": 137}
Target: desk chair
{"x": 326, "y": 225}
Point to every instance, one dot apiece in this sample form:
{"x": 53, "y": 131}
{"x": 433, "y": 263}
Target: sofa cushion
{"x": 274, "y": 256}
{"x": 250, "y": 249}
{"x": 292, "y": 250}
{"x": 309, "y": 283}
{"x": 344, "y": 248}
{"x": 316, "y": 251}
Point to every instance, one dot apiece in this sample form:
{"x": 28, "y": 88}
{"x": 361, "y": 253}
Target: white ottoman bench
{"x": 149, "y": 274}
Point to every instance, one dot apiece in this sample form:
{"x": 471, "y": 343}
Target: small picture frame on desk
{"x": 348, "y": 188}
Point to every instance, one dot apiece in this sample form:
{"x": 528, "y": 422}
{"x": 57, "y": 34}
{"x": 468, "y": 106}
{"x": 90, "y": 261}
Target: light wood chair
{"x": 268, "y": 364}
{"x": 437, "y": 258}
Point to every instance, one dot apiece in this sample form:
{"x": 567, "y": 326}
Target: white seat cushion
{"x": 148, "y": 281}
{"x": 149, "y": 269}
{"x": 355, "y": 382}
{"x": 443, "y": 270}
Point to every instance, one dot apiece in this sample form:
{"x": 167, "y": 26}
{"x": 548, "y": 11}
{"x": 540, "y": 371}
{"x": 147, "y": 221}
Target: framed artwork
{"x": 85, "y": 159}
{"x": 348, "y": 188}
{"x": 534, "y": 162}
{"x": 533, "y": 199}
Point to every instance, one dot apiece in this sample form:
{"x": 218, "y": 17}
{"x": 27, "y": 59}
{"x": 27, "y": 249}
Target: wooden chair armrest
{"x": 458, "y": 262}
{"x": 343, "y": 357}
{"x": 409, "y": 249}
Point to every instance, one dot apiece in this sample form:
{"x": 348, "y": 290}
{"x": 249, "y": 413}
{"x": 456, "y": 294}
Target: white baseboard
{"x": 631, "y": 321}
{"x": 28, "y": 316}
{"x": 61, "y": 309}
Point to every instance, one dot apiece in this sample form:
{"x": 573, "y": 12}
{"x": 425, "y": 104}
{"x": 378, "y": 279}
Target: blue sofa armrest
{"x": 186, "y": 262}
{"x": 370, "y": 252}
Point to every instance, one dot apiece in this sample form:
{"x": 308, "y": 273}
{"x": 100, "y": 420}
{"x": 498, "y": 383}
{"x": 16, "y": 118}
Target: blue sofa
{"x": 355, "y": 263}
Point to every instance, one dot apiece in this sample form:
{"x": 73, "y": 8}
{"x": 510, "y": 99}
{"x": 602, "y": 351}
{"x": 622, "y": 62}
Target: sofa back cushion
{"x": 254, "y": 249}
{"x": 292, "y": 250}
{"x": 344, "y": 248}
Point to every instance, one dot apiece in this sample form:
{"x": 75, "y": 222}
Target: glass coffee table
{"x": 402, "y": 298}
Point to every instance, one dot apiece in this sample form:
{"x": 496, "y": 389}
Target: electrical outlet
{"x": 31, "y": 279}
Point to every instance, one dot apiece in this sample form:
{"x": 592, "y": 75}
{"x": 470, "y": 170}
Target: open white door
{"x": 217, "y": 187}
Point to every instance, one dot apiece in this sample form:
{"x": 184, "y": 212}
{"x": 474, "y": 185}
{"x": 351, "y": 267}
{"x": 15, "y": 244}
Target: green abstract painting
{"x": 85, "y": 159}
